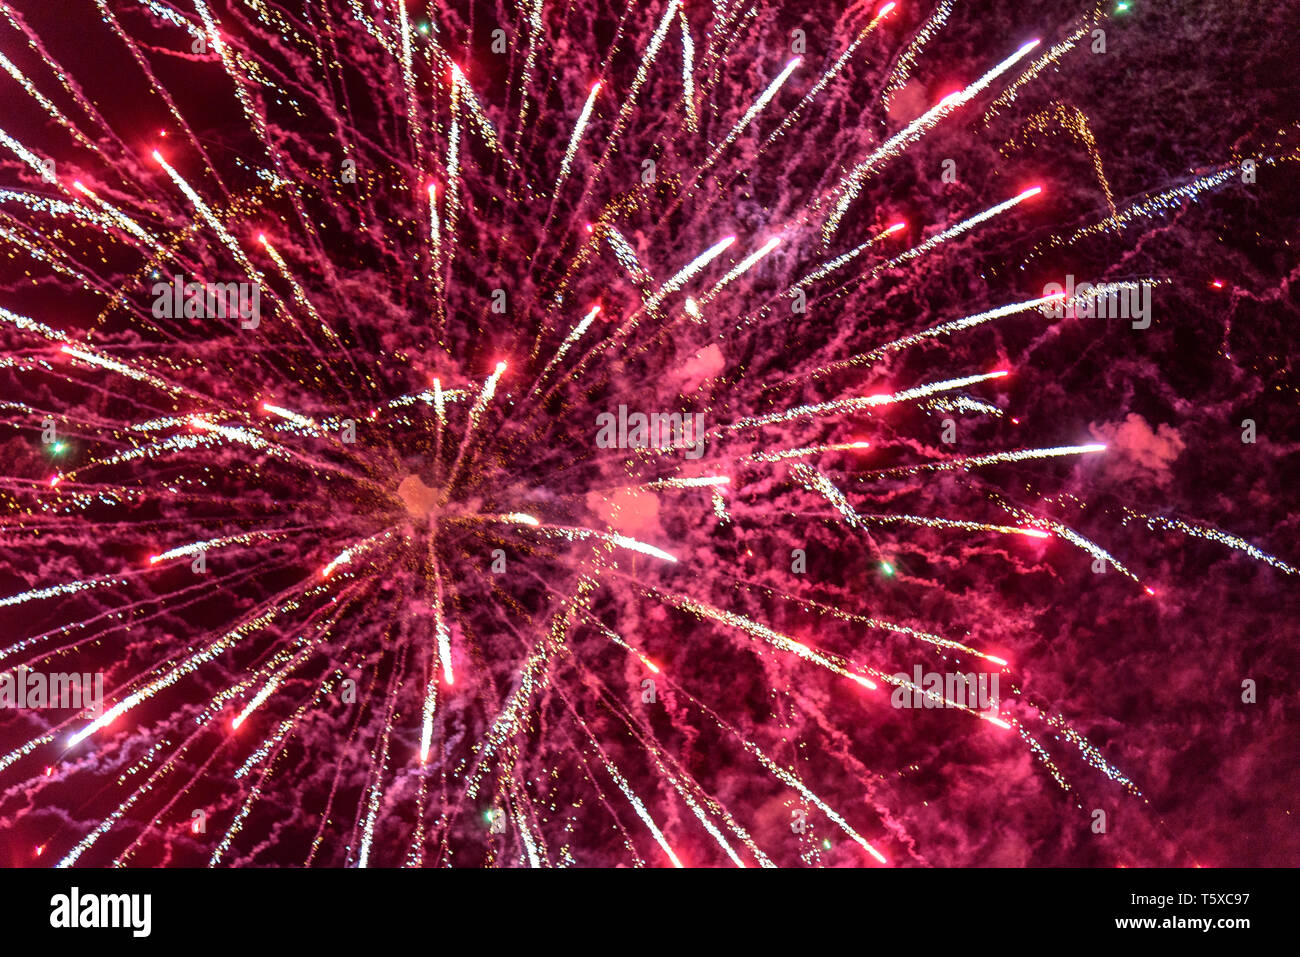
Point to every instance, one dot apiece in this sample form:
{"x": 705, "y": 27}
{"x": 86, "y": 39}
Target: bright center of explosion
{"x": 419, "y": 499}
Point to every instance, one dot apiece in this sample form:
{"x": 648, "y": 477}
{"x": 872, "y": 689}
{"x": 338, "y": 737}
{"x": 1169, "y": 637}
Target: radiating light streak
{"x": 806, "y": 451}
{"x": 174, "y": 674}
{"x": 740, "y": 269}
{"x": 299, "y": 420}
{"x": 571, "y": 533}
{"x": 53, "y": 591}
{"x": 855, "y": 404}
{"x": 475, "y": 416}
{"x": 576, "y": 137}
{"x": 771, "y": 636}
{"x": 754, "y": 110}
{"x": 194, "y": 548}
{"x": 684, "y": 274}
{"x": 853, "y": 181}
{"x": 121, "y": 368}
{"x": 907, "y": 59}
{"x": 993, "y": 458}
{"x": 574, "y": 335}
{"x": 640, "y": 809}
{"x": 1223, "y": 538}
{"x": 210, "y": 218}
{"x": 354, "y": 551}
{"x": 830, "y": 74}
{"x": 957, "y": 230}
{"x": 688, "y": 73}
{"x": 828, "y": 267}
{"x": 426, "y": 725}
{"x": 119, "y": 217}
{"x": 695, "y": 481}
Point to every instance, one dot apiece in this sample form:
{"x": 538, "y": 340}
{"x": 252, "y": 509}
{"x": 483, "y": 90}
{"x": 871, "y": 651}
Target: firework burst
{"x": 466, "y": 437}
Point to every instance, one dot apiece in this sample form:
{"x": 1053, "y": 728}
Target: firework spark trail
{"x": 213, "y": 222}
{"x": 304, "y": 302}
{"x": 681, "y": 277}
{"x": 960, "y": 325}
{"x": 440, "y": 418}
{"x": 855, "y": 404}
{"x": 828, "y": 267}
{"x": 786, "y": 777}
{"x": 739, "y": 270}
{"x": 569, "y": 341}
{"x": 1079, "y": 541}
{"x": 254, "y": 440}
{"x": 121, "y": 368}
{"x": 637, "y": 804}
{"x": 879, "y": 623}
{"x": 356, "y": 550}
{"x": 652, "y": 303}
{"x": 1164, "y": 201}
{"x": 212, "y": 544}
{"x": 451, "y": 202}
{"x": 106, "y": 825}
{"x": 475, "y": 416}
{"x": 1074, "y": 121}
{"x": 53, "y": 111}
{"x": 692, "y": 793}
{"x": 688, "y": 73}
{"x": 697, "y": 481}
{"x": 688, "y": 790}
{"x": 119, "y": 217}
{"x": 435, "y": 242}
{"x": 774, "y": 638}
{"x": 23, "y": 153}
{"x": 830, "y": 74}
{"x": 756, "y": 108}
{"x": 412, "y": 102}
{"x": 953, "y": 231}
{"x": 55, "y": 207}
{"x": 573, "y": 534}
{"x": 574, "y": 139}
{"x": 161, "y": 91}
{"x": 175, "y": 673}
{"x": 629, "y": 102}
{"x": 164, "y": 768}
{"x": 373, "y": 798}
{"x": 965, "y": 462}
{"x": 179, "y": 600}
{"x": 67, "y": 588}
{"x": 1215, "y": 535}
{"x": 1049, "y": 58}
{"x": 784, "y": 454}
{"x": 441, "y": 633}
{"x": 906, "y": 60}
{"x": 852, "y": 183}
{"x": 535, "y": 28}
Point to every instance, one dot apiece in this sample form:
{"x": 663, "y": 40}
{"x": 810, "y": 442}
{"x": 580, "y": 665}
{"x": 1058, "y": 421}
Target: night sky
{"x": 365, "y": 587}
